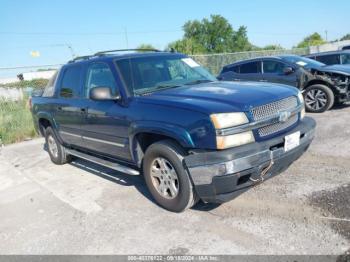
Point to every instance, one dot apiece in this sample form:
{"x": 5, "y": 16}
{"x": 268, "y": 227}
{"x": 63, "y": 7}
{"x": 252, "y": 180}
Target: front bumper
{"x": 219, "y": 176}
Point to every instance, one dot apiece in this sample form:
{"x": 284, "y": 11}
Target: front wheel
{"x": 318, "y": 98}
{"x": 166, "y": 178}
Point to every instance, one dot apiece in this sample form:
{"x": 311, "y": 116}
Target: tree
{"x": 145, "y": 46}
{"x": 311, "y": 40}
{"x": 272, "y": 47}
{"x": 187, "y": 46}
{"x": 214, "y": 35}
{"x": 345, "y": 37}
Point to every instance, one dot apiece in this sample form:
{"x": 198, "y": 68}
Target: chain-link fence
{"x": 215, "y": 62}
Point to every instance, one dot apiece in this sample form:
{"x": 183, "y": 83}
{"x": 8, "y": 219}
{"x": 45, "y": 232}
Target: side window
{"x": 99, "y": 75}
{"x": 250, "y": 68}
{"x": 49, "y": 90}
{"x": 329, "y": 59}
{"x": 234, "y": 69}
{"x": 273, "y": 67}
{"x": 345, "y": 59}
{"x": 71, "y": 82}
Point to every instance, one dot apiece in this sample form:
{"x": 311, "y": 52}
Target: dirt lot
{"x": 82, "y": 208}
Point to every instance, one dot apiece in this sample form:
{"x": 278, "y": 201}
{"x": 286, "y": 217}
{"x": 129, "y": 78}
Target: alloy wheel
{"x": 164, "y": 178}
{"x": 316, "y": 99}
{"x": 52, "y": 145}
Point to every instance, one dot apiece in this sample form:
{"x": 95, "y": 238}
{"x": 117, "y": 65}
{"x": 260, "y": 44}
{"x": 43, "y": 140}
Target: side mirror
{"x": 102, "y": 93}
{"x": 288, "y": 70}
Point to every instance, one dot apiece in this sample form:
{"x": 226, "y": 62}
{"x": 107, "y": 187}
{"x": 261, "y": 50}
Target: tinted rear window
{"x": 250, "y": 68}
{"x": 70, "y": 85}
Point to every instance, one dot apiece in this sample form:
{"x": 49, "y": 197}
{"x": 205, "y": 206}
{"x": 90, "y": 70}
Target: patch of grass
{"x": 16, "y": 123}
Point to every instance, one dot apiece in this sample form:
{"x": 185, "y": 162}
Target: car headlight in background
{"x": 223, "y": 142}
{"x": 225, "y": 120}
{"x": 301, "y": 100}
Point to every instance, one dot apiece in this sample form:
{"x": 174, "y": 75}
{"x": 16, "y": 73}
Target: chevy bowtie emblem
{"x": 284, "y": 116}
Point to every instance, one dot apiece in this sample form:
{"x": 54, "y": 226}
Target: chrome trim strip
{"x": 103, "y": 141}
{"x": 257, "y": 124}
{"x": 92, "y": 139}
{"x": 68, "y": 134}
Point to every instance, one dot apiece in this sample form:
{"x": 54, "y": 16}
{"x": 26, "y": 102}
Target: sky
{"x": 61, "y": 29}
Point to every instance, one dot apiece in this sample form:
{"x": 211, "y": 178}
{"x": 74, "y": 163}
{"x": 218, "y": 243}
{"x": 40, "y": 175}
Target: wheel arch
{"x": 320, "y": 82}
{"x": 144, "y": 134}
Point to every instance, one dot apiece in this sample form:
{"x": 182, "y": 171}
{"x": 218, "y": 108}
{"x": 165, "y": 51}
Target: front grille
{"x": 269, "y": 110}
{"x": 274, "y": 128}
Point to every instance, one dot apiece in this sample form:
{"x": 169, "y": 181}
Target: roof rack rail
{"x": 78, "y": 58}
{"x": 126, "y": 50}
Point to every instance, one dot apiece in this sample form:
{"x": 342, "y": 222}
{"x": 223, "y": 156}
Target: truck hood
{"x": 220, "y": 97}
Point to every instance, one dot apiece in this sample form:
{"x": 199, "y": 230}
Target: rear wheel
{"x": 318, "y": 98}
{"x": 166, "y": 178}
{"x": 56, "y": 151}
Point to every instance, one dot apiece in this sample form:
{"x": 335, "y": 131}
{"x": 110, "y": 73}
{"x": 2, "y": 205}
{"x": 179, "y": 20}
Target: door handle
{"x": 59, "y": 108}
{"x": 83, "y": 110}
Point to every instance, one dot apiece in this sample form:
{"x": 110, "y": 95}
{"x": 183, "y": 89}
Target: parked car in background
{"x": 347, "y": 47}
{"x": 332, "y": 58}
{"x": 164, "y": 116}
{"x": 322, "y": 85}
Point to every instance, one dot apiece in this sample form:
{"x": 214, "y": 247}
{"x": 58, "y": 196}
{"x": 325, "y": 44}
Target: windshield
{"x": 151, "y": 73}
{"x": 302, "y": 61}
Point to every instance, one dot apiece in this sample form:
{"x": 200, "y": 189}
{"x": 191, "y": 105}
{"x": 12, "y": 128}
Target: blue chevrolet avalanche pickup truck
{"x": 162, "y": 115}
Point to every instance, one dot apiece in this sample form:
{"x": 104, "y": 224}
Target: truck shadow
{"x": 128, "y": 180}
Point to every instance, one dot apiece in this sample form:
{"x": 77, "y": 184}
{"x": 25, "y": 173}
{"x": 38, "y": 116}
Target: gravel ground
{"x": 81, "y": 208}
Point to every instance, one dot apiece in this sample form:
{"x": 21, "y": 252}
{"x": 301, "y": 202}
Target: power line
{"x": 25, "y": 67}
{"x": 89, "y": 34}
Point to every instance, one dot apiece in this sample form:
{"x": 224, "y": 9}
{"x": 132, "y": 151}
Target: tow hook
{"x": 264, "y": 171}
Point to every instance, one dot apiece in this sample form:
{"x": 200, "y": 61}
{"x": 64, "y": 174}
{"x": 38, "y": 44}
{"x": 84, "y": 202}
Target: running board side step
{"x": 103, "y": 162}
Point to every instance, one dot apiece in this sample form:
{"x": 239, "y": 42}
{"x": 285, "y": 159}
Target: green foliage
{"x": 16, "y": 123}
{"x": 35, "y": 83}
{"x": 272, "y": 47}
{"x": 145, "y": 46}
{"x": 187, "y": 46}
{"x": 345, "y": 37}
{"x": 311, "y": 40}
{"x": 214, "y": 35}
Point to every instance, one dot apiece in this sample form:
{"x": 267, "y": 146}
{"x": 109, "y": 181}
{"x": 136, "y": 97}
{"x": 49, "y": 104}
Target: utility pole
{"x": 326, "y": 35}
{"x": 71, "y": 50}
{"x": 126, "y": 37}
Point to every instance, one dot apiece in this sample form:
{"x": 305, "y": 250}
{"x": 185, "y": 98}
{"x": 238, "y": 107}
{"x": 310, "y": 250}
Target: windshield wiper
{"x": 157, "y": 88}
{"x": 199, "y": 81}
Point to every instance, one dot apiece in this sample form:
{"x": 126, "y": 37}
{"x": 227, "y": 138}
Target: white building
{"x": 38, "y": 74}
{"x": 329, "y": 47}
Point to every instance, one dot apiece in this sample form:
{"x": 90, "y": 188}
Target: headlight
{"x": 301, "y": 100}
{"x": 225, "y": 120}
{"x": 223, "y": 142}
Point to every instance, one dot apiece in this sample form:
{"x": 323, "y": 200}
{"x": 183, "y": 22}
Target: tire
{"x": 165, "y": 158}
{"x": 56, "y": 151}
{"x": 318, "y": 98}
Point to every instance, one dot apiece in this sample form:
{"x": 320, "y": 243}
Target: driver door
{"x": 105, "y": 129}
{"x": 273, "y": 72}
